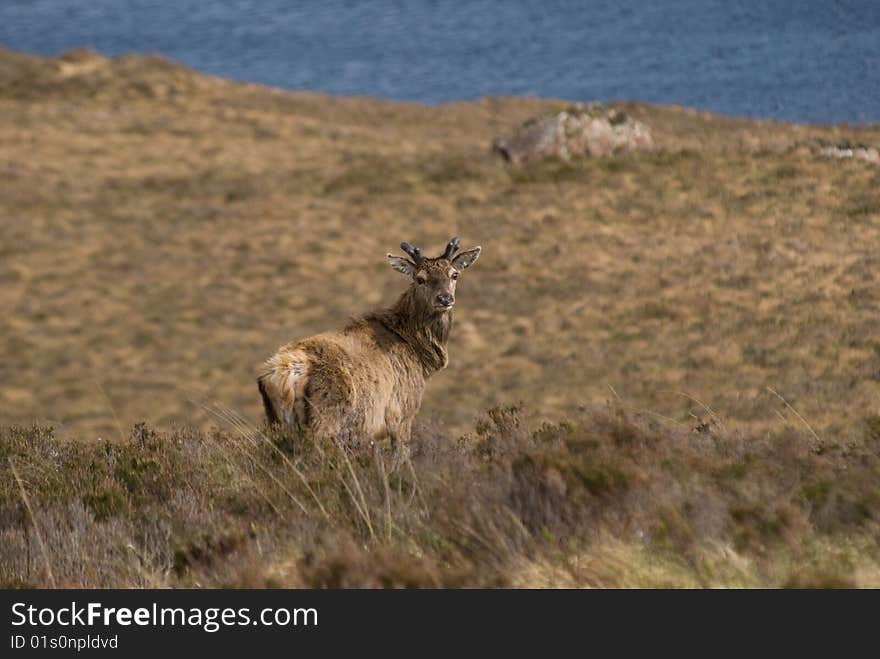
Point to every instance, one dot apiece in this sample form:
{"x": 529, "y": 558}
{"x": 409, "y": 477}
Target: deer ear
{"x": 402, "y": 265}
{"x": 466, "y": 259}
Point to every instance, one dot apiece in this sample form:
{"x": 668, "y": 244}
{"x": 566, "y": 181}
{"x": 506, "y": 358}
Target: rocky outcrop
{"x": 849, "y": 150}
{"x": 580, "y": 130}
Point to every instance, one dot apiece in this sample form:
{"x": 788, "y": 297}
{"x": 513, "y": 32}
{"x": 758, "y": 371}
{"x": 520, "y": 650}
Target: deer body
{"x": 365, "y": 382}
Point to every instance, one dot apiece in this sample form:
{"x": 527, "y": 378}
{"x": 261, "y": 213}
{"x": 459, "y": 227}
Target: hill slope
{"x": 162, "y": 232}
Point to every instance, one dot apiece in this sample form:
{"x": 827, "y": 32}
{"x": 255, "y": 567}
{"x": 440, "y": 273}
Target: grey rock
{"x": 580, "y": 130}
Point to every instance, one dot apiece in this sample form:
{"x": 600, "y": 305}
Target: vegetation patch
{"x": 253, "y": 509}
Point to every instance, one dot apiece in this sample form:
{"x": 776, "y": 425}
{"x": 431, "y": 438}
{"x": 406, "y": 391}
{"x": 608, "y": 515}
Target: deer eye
{"x": 421, "y": 278}
{"x": 455, "y": 275}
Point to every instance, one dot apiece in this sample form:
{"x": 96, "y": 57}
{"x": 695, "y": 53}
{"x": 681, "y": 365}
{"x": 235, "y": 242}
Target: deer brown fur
{"x": 365, "y": 381}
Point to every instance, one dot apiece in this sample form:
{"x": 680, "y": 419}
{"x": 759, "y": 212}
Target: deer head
{"x": 434, "y": 279}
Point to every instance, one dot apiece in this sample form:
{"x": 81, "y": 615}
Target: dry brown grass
{"x": 606, "y": 499}
{"x": 163, "y": 232}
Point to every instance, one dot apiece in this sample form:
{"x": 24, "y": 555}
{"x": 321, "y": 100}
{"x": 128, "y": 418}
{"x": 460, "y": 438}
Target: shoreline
{"x": 472, "y": 100}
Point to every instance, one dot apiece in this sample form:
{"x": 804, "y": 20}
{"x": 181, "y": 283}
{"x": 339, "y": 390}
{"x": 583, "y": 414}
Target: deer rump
{"x": 359, "y": 384}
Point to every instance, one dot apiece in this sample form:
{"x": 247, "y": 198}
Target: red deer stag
{"x": 365, "y": 382}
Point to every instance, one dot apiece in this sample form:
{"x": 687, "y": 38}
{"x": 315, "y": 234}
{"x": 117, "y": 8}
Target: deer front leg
{"x": 400, "y": 440}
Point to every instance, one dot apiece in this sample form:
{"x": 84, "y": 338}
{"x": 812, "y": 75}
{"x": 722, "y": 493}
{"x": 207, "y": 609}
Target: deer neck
{"x": 425, "y": 330}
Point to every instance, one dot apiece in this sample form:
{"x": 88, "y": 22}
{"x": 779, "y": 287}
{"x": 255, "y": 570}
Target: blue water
{"x": 800, "y": 60}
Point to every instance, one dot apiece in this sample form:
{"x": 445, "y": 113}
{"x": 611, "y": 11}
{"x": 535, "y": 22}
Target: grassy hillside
{"x": 605, "y": 499}
{"x": 162, "y": 232}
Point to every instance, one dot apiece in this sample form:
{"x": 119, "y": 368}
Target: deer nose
{"x": 445, "y": 299}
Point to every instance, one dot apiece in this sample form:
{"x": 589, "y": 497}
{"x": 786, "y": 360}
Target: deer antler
{"x": 414, "y": 252}
{"x": 451, "y": 248}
